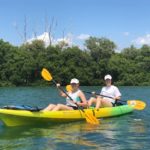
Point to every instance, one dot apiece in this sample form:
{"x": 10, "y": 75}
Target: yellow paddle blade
{"x": 137, "y": 104}
{"x": 46, "y": 74}
{"x": 91, "y": 119}
{"x": 69, "y": 88}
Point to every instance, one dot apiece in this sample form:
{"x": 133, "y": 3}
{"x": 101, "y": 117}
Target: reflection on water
{"x": 138, "y": 131}
{"x": 73, "y": 135}
{"x": 68, "y": 134}
{"x": 118, "y": 133}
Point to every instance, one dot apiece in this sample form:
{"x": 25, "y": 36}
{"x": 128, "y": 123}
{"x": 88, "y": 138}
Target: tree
{"x": 130, "y": 53}
{"x": 100, "y": 48}
{"x": 22, "y": 65}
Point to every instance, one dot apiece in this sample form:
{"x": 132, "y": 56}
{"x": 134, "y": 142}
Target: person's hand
{"x": 76, "y": 103}
{"x": 58, "y": 85}
{"x": 93, "y": 93}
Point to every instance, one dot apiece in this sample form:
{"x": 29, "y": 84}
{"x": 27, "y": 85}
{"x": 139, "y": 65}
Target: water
{"x": 127, "y": 132}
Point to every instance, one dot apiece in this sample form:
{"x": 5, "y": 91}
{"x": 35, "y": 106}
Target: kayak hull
{"x": 24, "y": 117}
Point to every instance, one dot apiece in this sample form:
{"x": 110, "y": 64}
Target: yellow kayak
{"x": 24, "y": 117}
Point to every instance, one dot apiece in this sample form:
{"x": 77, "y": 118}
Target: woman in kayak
{"x": 77, "y": 98}
{"x": 108, "y": 95}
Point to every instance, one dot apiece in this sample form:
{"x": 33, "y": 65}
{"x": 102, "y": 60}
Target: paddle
{"x": 89, "y": 117}
{"x": 69, "y": 88}
{"x": 136, "y": 104}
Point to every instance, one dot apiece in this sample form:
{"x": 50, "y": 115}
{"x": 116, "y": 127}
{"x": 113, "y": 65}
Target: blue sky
{"x": 125, "y": 22}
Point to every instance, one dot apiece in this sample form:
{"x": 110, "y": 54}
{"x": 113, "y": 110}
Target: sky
{"x": 125, "y": 22}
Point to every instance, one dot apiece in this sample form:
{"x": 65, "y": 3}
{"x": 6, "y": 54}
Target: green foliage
{"x": 22, "y": 65}
{"x": 100, "y": 48}
{"x": 130, "y": 53}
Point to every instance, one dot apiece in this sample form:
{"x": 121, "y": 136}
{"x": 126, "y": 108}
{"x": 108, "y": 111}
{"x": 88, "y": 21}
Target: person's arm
{"x": 83, "y": 99}
{"x": 61, "y": 93}
{"x": 117, "y": 98}
{"x": 117, "y": 94}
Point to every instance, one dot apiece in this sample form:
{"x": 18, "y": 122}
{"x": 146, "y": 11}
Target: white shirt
{"x": 74, "y": 97}
{"x": 111, "y": 91}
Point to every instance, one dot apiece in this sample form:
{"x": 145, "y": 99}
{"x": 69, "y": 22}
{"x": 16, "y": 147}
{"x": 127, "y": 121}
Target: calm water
{"x": 127, "y": 132}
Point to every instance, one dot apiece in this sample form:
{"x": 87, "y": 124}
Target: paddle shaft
{"x": 61, "y": 89}
{"x": 98, "y": 94}
{"x": 104, "y": 96}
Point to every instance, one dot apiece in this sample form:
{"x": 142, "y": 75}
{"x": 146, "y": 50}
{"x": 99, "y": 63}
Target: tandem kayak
{"x": 11, "y": 117}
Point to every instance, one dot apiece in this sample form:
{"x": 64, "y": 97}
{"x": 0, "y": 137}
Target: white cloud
{"x": 67, "y": 39}
{"x": 126, "y": 33}
{"x": 142, "y": 40}
{"x": 83, "y": 36}
{"x": 45, "y": 37}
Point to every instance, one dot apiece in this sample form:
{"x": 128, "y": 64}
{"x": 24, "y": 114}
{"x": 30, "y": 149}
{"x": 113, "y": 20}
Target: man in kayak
{"x": 74, "y": 98}
{"x": 108, "y": 95}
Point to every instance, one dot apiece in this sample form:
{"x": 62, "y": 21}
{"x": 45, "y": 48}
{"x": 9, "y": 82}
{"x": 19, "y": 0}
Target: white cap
{"x": 107, "y": 77}
{"x": 74, "y": 80}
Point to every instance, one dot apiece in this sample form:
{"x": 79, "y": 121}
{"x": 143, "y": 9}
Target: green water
{"x": 127, "y": 132}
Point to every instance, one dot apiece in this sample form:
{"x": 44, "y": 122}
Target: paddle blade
{"x": 69, "y": 88}
{"x": 46, "y": 74}
{"x": 137, "y": 104}
{"x": 91, "y": 119}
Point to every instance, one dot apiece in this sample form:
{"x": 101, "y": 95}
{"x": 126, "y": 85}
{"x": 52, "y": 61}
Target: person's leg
{"x": 62, "y": 107}
{"x": 91, "y": 101}
{"x": 106, "y": 103}
{"x": 49, "y": 107}
{"x": 98, "y": 102}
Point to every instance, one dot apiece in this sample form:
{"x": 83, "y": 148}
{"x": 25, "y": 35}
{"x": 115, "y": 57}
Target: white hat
{"x": 74, "y": 80}
{"x": 108, "y": 77}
